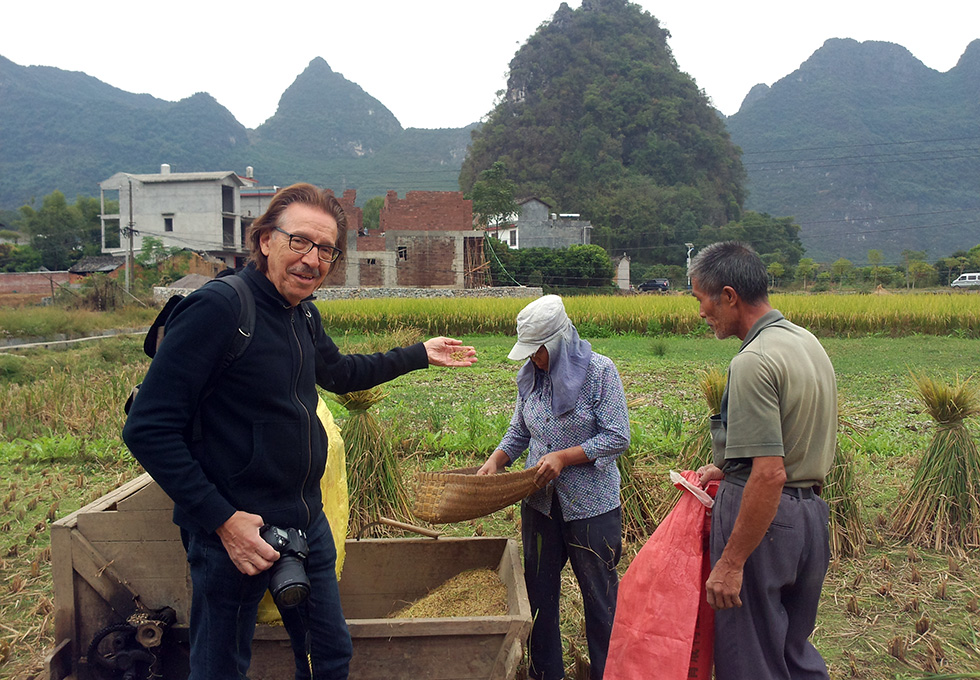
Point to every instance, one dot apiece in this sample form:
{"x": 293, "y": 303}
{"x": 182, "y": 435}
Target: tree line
{"x": 57, "y": 234}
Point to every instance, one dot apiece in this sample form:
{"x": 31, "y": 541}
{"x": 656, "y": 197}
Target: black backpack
{"x": 246, "y": 324}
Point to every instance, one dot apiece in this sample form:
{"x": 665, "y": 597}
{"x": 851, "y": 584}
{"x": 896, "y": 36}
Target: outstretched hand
{"x": 449, "y": 352}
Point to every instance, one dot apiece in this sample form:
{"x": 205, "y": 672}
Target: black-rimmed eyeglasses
{"x": 303, "y": 245}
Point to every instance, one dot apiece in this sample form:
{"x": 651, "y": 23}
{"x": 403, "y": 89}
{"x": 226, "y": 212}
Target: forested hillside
{"x": 66, "y": 131}
{"x": 868, "y": 149}
{"x": 62, "y": 130}
{"x": 599, "y": 120}
{"x": 863, "y": 146}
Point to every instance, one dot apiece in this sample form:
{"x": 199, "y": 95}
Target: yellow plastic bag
{"x": 336, "y": 507}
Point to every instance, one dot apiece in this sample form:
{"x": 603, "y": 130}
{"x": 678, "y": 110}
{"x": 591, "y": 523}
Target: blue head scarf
{"x": 544, "y": 322}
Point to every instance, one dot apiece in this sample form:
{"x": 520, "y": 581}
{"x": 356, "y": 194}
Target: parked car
{"x": 971, "y": 279}
{"x": 654, "y": 286}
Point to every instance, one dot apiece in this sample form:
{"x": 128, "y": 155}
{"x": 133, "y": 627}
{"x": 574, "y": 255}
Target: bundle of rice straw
{"x": 847, "y": 534}
{"x": 636, "y": 488}
{"x": 374, "y": 481}
{"x": 941, "y": 509}
{"x": 696, "y": 449}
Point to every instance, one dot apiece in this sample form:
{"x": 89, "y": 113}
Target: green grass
{"x": 61, "y": 412}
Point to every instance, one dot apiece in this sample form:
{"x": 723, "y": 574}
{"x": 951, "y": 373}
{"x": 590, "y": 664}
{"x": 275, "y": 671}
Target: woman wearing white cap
{"x": 571, "y": 418}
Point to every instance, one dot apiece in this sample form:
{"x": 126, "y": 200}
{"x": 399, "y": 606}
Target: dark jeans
{"x": 225, "y": 603}
{"x": 593, "y": 546}
{"x": 767, "y": 638}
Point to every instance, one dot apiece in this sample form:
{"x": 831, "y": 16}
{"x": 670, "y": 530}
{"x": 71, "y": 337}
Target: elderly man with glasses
{"x": 257, "y": 456}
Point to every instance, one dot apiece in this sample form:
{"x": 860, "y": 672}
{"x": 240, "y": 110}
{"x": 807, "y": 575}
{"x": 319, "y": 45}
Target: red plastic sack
{"x": 664, "y": 627}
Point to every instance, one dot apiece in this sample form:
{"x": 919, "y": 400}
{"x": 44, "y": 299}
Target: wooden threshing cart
{"x": 122, "y": 553}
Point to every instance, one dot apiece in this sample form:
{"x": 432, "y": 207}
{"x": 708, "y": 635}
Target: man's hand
{"x": 247, "y": 550}
{"x": 708, "y": 473}
{"x": 724, "y": 585}
{"x": 760, "y": 501}
{"x": 449, "y": 352}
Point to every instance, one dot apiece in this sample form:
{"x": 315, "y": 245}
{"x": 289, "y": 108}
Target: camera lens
{"x": 289, "y": 584}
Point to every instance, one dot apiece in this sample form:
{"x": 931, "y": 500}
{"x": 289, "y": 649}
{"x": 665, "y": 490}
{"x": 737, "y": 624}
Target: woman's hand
{"x": 549, "y": 467}
{"x": 495, "y": 463}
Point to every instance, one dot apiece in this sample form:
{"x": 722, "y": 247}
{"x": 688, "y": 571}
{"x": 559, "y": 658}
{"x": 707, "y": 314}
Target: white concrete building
{"x": 537, "y": 227}
{"x": 196, "y": 210}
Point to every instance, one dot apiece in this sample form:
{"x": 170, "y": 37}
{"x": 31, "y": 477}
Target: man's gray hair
{"x": 731, "y": 263}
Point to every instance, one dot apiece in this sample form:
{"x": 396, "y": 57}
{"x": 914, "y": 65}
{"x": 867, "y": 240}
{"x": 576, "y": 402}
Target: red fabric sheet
{"x": 664, "y": 627}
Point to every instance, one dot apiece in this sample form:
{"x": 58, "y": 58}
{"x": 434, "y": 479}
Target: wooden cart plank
{"x": 63, "y": 581}
{"x": 150, "y": 497}
{"x": 130, "y": 526}
{"x": 100, "y": 574}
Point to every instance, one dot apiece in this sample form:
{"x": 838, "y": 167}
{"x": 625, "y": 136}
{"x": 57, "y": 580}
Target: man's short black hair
{"x": 731, "y": 263}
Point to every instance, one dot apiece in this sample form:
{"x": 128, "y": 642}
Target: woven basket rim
{"x": 456, "y": 495}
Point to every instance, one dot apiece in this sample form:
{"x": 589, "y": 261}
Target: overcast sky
{"x": 437, "y": 63}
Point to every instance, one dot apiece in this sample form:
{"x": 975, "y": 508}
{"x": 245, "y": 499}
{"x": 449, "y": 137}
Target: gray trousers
{"x": 767, "y": 638}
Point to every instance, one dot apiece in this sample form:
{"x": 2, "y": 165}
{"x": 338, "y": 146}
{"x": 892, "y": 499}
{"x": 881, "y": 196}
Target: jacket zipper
{"x": 306, "y": 412}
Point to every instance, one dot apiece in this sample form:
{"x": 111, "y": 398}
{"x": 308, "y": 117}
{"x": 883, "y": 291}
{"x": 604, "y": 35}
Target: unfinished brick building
{"x": 339, "y": 271}
{"x": 425, "y": 240}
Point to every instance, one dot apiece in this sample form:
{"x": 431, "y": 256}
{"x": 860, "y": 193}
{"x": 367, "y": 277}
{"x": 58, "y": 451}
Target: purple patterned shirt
{"x": 598, "y": 422}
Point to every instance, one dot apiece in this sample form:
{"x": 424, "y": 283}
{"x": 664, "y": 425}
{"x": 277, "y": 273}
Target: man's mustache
{"x": 304, "y": 270}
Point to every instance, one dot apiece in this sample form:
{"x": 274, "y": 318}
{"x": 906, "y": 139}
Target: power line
{"x": 858, "y": 146}
{"x": 874, "y": 160}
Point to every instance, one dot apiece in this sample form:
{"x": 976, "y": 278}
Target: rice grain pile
{"x": 477, "y": 592}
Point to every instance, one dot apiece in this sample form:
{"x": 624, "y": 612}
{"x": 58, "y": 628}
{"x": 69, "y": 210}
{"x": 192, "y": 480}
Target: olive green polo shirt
{"x": 781, "y": 400}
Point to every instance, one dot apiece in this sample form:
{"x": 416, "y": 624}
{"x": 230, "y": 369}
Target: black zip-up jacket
{"x": 262, "y": 448}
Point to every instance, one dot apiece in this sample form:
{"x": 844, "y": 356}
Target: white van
{"x": 972, "y": 279}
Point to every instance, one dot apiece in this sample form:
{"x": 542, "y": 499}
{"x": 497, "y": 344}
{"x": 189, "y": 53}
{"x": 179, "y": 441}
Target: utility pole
{"x": 690, "y": 247}
{"x": 129, "y": 232}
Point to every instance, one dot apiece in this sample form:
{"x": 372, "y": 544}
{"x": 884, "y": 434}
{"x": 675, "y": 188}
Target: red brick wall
{"x": 355, "y": 216}
{"x": 372, "y": 273}
{"x": 428, "y": 260}
{"x": 370, "y": 243}
{"x": 427, "y": 211}
{"x": 338, "y": 272}
{"x": 31, "y": 282}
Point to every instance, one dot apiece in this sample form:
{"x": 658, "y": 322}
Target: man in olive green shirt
{"x": 773, "y": 444}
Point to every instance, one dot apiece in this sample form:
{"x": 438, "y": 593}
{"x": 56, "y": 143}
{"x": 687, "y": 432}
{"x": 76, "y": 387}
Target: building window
{"x": 513, "y": 238}
{"x": 168, "y": 222}
{"x": 403, "y": 253}
{"x": 228, "y": 232}
{"x": 371, "y": 260}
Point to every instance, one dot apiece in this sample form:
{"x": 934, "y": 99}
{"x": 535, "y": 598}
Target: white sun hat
{"x": 541, "y": 322}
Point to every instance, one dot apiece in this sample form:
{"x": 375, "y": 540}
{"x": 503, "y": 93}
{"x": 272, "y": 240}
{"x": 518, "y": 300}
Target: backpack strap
{"x": 246, "y": 326}
{"x": 243, "y": 336}
{"x": 246, "y": 319}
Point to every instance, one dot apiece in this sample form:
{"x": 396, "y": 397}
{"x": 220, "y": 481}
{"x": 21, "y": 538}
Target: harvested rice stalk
{"x": 476, "y": 592}
{"x": 847, "y": 534}
{"x": 696, "y": 449}
{"x": 635, "y": 487}
{"x": 942, "y": 507}
{"x": 374, "y": 482}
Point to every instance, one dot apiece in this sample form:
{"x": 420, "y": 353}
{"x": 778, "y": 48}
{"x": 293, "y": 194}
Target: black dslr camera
{"x": 288, "y": 583}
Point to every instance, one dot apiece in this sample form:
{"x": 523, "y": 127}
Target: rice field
{"x": 892, "y": 315}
